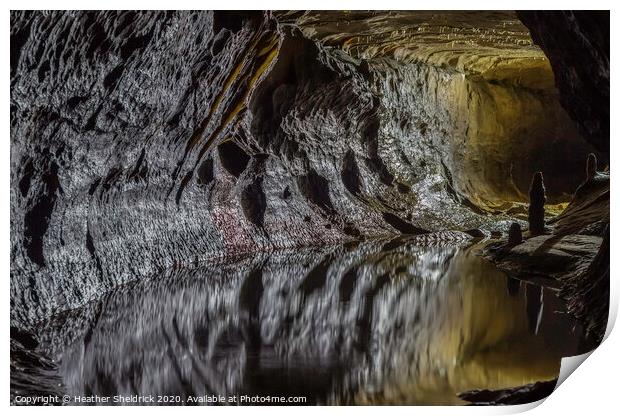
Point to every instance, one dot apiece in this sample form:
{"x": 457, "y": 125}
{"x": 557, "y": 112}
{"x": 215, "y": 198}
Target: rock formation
{"x": 588, "y": 294}
{"x": 515, "y": 235}
{"x": 145, "y": 140}
{"x": 536, "y": 209}
{"x": 591, "y": 167}
{"x": 146, "y": 145}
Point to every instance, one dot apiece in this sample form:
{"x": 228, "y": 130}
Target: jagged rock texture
{"x": 145, "y": 140}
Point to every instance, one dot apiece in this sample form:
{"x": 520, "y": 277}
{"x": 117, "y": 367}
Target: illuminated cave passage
{"x": 144, "y": 143}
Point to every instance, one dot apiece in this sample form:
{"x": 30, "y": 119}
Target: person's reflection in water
{"x": 534, "y": 306}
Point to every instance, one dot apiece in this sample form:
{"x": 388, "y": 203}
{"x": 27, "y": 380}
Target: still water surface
{"x": 373, "y": 323}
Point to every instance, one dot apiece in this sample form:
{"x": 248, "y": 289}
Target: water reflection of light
{"x": 382, "y": 323}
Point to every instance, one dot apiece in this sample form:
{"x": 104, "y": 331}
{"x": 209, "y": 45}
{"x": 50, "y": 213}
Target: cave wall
{"x": 577, "y": 44}
{"x": 107, "y": 110}
{"x": 480, "y": 132}
{"x": 142, "y": 141}
{"x": 473, "y": 82}
{"x": 506, "y": 125}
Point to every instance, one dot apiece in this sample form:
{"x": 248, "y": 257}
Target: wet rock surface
{"x": 549, "y": 256}
{"x": 168, "y": 167}
{"x": 573, "y": 255}
{"x": 519, "y": 395}
{"x": 32, "y": 373}
{"x": 483, "y": 93}
{"x": 144, "y": 140}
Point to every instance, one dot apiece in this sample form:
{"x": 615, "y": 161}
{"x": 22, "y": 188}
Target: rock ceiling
{"x": 493, "y": 45}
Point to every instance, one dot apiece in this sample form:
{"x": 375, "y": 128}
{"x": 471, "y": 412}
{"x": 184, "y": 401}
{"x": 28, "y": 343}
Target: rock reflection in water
{"x": 374, "y": 323}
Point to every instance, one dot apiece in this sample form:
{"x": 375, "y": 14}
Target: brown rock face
{"x": 496, "y": 111}
{"x": 577, "y": 44}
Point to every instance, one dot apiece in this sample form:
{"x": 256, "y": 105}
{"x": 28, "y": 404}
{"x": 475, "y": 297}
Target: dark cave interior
{"x": 174, "y": 165}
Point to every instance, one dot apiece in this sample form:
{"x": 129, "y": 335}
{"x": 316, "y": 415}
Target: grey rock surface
{"x": 145, "y": 140}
